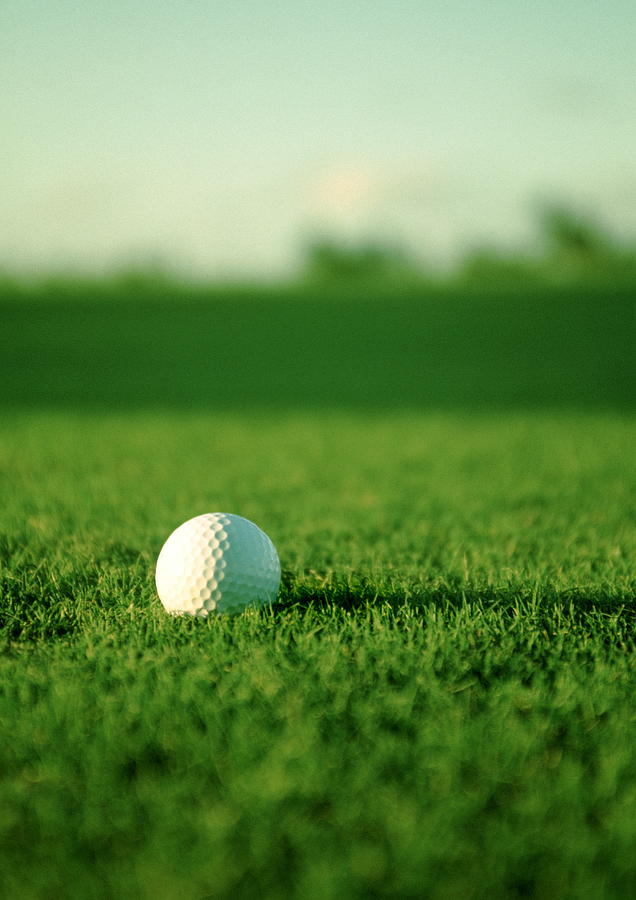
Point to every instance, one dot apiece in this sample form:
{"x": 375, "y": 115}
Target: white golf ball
{"x": 219, "y": 563}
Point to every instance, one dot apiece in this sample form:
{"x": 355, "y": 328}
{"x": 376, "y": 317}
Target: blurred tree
{"x": 488, "y": 265}
{"x": 572, "y": 248}
{"x": 573, "y": 234}
{"x": 327, "y": 259}
{"x": 577, "y": 248}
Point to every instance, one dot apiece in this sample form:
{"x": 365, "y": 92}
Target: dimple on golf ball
{"x": 217, "y": 563}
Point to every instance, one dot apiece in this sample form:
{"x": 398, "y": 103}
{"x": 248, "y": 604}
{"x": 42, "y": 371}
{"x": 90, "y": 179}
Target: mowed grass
{"x": 372, "y": 350}
{"x": 441, "y": 703}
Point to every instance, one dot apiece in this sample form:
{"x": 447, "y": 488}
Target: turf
{"x": 441, "y": 701}
{"x": 296, "y": 349}
{"x": 439, "y": 704}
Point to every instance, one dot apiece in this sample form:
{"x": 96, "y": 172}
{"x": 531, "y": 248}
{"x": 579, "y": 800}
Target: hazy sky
{"x": 217, "y": 134}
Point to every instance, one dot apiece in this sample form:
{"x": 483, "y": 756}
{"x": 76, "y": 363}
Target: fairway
{"x": 441, "y": 701}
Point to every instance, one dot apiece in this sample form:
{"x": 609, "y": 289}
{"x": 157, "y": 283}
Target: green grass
{"x": 441, "y": 702}
{"x": 302, "y": 350}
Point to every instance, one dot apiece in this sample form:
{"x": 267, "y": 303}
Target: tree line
{"x": 569, "y": 247}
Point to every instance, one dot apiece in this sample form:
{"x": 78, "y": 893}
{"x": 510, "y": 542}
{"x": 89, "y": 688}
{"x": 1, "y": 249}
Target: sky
{"x": 220, "y": 137}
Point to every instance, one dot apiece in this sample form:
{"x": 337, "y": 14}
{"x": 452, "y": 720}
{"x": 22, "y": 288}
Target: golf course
{"x": 442, "y": 700}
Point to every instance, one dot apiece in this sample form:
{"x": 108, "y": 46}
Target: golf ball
{"x": 217, "y": 562}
